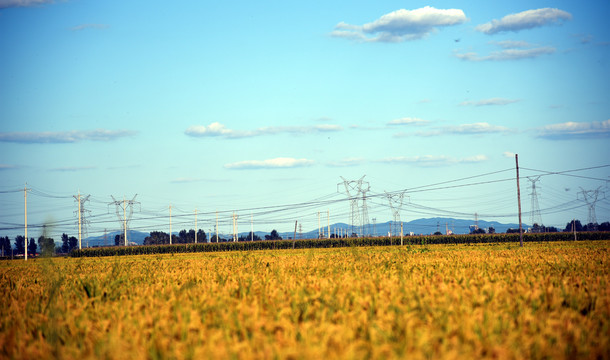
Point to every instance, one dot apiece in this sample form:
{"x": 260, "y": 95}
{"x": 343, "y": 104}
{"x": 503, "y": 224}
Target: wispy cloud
{"x": 56, "y": 137}
{"x": 89, "y": 26}
{"x": 475, "y": 128}
{"x": 73, "y": 168}
{"x": 219, "y": 130}
{"x": 487, "y": 102}
{"x": 347, "y": 162}
{"x": 277, "y": 163}
{"x": 576, "y": 130}
{"x": 507, "y": 54}
{"x": 401, "y": 25}
{"x": 480, "y": 128}
{"x": 525, "y": 20}
{"x": 7, "y": 167}
{"x": 188, "y": 180}
{"x": 434, "y": 161}
{"x": 408, "y": 121}
{"x": 22, "y": 3}
{"x": 508, "y": 154}
{"x": 511, "y": 44}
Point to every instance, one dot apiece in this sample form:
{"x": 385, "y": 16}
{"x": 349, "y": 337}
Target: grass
{"x": 546, "y": 300}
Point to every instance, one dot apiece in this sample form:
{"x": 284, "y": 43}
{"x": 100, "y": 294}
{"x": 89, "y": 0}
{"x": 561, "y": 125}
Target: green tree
{"x": 46, "y": 245}
{"x": 273, "y": 236}
{"x": 73, "y": 241}
{"x": 32, "y": 247}
{"x": 249, "y": 237}
{"x": 5, "y": 243}
{"x": 156, "y": 238}
{"x": 201, "y": 236}
{"x": 19, "y": 244}
{"x": 570, "y": 226}
{"x": 65, "y": 243}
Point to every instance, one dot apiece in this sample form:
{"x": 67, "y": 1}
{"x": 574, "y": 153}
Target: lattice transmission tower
{"x": 396, "y": 201}
{"x": 125, "y": 204}
{"x": 352, "y": 189}
{"x": 363, "y": 188}
{"x": 82, "y": 219}
{"x": 591, "y": 197}
{"x": 535, "y": 216}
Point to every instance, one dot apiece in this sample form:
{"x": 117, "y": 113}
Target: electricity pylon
{"x": 591, "y": 197}
{"x": 352, "y": 189}
{"x": 535, "y": 216}
{"x": 81, "y": 217}
{"x": 125, "y": 204}
{"x": 363, "y": 187}
{"x": 396, "y": 202}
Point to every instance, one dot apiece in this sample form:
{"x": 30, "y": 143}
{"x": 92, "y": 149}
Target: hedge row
{"x": 329, "y": 243}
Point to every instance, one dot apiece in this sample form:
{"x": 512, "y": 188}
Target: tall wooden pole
{"x": 328, "y": 223}
{"x": 294, "y": 236}
{"x": 124, "y": 222}
{"x": 25, "y": 198}
{"x": 170, "y": 224}
{"x": 519, "y": 202}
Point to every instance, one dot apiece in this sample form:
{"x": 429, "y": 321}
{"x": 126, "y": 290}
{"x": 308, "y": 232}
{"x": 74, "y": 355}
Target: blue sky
{"x": 252, "y": 107}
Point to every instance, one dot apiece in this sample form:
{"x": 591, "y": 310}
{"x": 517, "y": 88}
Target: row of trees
{"x": 45, "y": 245}
{"x": 188, "y": 237}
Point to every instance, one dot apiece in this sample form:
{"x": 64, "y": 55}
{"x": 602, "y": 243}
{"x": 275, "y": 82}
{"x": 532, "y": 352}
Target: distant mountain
{"x": 133, "y": 236}
{"x": 425, "y": 226}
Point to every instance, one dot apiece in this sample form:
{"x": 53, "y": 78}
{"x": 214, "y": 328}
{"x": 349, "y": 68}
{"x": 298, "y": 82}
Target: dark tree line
{"x": 160, "y": 237}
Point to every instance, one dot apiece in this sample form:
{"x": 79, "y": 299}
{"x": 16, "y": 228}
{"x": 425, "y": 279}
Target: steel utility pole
{"x": 328, "y": 223}
{"x": 519, "y": 201}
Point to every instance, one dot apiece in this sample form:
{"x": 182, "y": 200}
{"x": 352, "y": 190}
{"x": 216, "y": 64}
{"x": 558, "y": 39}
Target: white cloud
{"x": 525, "y": 20}
{"x": 463, "y": 129}
{"x": 214, "y": 129}
{"x": 64, "y": 136}
{"x": 7, "y": 167}
{"x": 492, "y": 101}
{"x": 73, "y": 168}
{"x": 218, "y": 129}
{"x": 576, "y": 130}
{"x": 401, "y": 25}
{"x": 408, "y": 121}
{"x": 508, "y": 54}
{"x": 434, "y": 161}
{"x": 89, "y": 26}
{"x": 354, "y": 161}
{"x": 508, "y": 154}
{"x": 187, "y": 180}
{"x": 475, "y": 128}
{"x": 22, "y": 3}
{"x": 511, "y": 44}
{"x": 277, "y": 163}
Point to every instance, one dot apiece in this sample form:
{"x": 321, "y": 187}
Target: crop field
{"x": 546, "y": 300}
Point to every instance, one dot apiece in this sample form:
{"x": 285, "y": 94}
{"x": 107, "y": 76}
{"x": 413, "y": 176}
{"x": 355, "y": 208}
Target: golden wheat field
{"x": 546, "y": 300}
